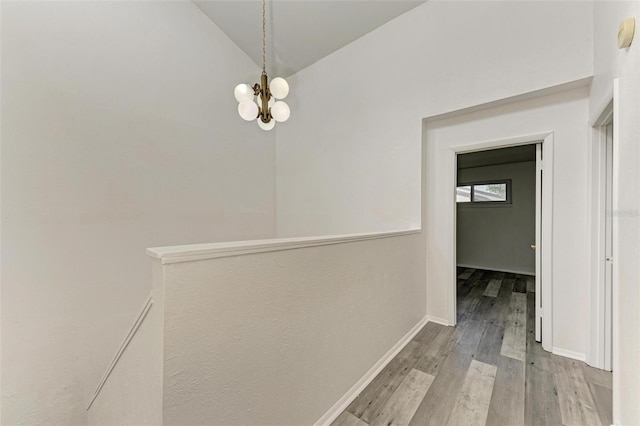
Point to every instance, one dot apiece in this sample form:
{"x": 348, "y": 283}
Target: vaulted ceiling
{"x": 299, "y": 32}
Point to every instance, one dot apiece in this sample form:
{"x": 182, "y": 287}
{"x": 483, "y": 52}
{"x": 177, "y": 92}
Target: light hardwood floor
{"x": 488, "y": 370}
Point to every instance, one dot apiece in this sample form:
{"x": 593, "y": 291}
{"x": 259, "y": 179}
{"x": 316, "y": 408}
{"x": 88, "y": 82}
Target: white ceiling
{"x": 299, "y": 32}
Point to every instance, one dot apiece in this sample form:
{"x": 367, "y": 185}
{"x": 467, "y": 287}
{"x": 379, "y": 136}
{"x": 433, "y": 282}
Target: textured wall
{"x": 609, "y": 63}
{"x": 132, "y": 393}
{"x": 278, "y": 338}
{"x": 119, "y": 132}
{"x": 350, "y": 160}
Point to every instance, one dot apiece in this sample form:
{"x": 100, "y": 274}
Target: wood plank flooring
{"x": 488, "y": 370}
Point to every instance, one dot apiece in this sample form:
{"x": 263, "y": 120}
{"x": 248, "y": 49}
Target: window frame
{"x": 473, "y": 184}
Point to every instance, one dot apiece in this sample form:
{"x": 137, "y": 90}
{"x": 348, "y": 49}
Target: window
{"x": 498, "y": 191}
{"x": 463, "y": 194}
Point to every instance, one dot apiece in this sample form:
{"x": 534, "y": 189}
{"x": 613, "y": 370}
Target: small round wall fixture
{"x": 625, "y": 33}
{"x": 264, "y": 109}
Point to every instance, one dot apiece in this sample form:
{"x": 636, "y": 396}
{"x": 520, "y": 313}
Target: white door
{"x": 608, "y": 247}
{"x": 538, "y": 244}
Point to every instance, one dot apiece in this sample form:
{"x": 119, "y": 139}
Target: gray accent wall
{"x": 499, "y": 236}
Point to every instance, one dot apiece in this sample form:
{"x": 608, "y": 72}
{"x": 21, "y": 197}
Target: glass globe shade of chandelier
{"x": 258, "y": 102}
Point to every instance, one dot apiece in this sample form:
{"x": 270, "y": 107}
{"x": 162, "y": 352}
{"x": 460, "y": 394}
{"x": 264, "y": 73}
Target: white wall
{"x": 565, "y": 114}
{"x": 349, "y": 158}
{"x": 132, "y": 395}
{"x": 611, "y": 62}
{"x": 119, "y": 132}
{"x": 498, "y": 237}
{"x": 279, "y": 337}
{"x": 130, "y": 392}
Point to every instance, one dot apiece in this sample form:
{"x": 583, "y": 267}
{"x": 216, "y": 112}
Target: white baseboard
{"x": 437, "y": 320}
{"x": 134, "y": 329}
{"x": 568, "y": 354}
{"x": 361, "y": 384}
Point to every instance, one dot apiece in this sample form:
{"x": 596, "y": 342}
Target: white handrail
{"x": 192, "y": 252}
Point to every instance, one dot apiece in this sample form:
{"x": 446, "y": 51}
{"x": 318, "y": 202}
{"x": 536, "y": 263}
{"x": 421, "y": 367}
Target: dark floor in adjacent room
{"x": 488, "y": 370}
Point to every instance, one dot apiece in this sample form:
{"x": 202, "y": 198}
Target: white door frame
{"x": 602, "y": 344}
{"x": 546, "y": 138}
{"x": 538, "y": 243}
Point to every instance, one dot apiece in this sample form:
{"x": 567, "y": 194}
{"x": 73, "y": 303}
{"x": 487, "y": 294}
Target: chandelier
{"x": 264, "y": 108}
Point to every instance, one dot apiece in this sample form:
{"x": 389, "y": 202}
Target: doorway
{"x": 498, "y": 232}
{"x": 603, "y": 255}
{"x": 608, "y": 246}
{"x": 538, "y": 253}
